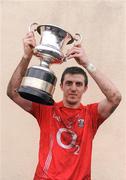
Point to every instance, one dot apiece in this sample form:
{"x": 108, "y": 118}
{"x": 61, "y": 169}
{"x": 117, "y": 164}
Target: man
{"x": 68, "y": 127}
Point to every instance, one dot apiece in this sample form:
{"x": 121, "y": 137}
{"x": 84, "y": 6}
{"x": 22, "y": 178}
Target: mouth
{"x": 72, "y": 94}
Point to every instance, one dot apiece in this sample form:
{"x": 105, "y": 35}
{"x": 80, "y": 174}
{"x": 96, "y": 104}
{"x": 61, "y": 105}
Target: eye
{"x": 68, "y": 83}
{"x": 78, "y": 84}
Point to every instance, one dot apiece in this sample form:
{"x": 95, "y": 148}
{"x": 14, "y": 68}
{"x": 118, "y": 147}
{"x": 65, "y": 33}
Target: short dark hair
{"x": 75, "y": 70}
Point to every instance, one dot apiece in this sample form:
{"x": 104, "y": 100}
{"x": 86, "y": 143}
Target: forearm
{"x": 107, "y": 87}
{"x": 17, "y": 76}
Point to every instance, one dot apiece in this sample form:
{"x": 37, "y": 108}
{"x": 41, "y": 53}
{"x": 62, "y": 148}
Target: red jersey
{"x": 66, "y": 136}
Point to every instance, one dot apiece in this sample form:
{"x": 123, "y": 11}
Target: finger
{"x": 29, "y": 37}
{"x": 31, "y": 33}
{"x": 77, "y": 44}
{"x": 37, "y": 54}
{"x": 76, "y": 55}
{"x": 30, "y": 43}
{"x": 74, "y": 48}
{"x": 72, "y": 51}
{"x": 29, "y": 40}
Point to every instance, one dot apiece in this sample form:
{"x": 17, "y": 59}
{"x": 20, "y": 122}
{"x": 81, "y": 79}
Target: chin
{"x": 72, "y": 102}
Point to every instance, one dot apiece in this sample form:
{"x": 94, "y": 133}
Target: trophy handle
{"x": 31, "y": 26}
{"x": 77, "y": 39}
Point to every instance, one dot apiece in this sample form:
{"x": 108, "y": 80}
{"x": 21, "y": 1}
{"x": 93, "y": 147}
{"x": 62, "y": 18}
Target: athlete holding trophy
{"x": 67, "y": 128}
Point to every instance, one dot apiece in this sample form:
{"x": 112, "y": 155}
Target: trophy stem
{"x": 44, "y": 63}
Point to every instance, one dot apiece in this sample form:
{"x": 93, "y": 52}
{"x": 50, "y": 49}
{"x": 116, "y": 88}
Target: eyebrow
{"x": 68, "y": 81}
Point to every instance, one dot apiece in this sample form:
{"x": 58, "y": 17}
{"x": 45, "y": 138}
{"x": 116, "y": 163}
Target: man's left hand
{"x": 79, "y": 54}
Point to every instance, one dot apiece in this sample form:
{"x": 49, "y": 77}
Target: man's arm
{"x": 15, "y": 81}
{"x": 113, "y": 96}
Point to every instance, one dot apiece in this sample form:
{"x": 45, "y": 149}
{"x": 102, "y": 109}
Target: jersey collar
{"x": 61, "y": 105}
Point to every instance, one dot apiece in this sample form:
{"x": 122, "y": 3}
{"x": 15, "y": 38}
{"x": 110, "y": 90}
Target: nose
{"x": 73, "y": 87}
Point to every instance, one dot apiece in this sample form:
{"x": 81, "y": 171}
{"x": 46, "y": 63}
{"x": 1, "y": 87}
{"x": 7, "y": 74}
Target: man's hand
{"x": 79, "y": 54}
{"x": 29, "y": 43}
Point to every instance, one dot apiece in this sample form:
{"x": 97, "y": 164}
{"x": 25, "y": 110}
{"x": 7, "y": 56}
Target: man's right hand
{"x": 29, "y": 43}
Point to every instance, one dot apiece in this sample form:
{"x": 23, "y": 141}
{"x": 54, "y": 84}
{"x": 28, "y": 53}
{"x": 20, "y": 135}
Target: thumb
{"x": 77, "y": 44}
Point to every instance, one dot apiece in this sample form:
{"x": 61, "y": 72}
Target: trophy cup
{"x": 39, "y": 82}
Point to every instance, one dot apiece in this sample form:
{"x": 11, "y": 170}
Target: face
{"x": 73, "y": 88}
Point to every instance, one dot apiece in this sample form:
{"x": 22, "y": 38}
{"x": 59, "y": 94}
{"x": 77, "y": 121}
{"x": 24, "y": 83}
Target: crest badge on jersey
{"x": 81, "y": 123}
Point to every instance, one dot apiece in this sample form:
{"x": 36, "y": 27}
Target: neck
{"x": 71, "y": 105}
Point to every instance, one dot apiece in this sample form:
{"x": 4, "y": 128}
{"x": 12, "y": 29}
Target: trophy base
{"x": 35, "y": 95}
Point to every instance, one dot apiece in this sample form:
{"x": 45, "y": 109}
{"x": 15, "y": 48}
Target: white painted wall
{"x": 102, "y": 25}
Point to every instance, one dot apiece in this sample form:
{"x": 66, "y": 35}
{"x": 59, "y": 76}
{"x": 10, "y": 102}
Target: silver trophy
{"x": 39, "y": 82}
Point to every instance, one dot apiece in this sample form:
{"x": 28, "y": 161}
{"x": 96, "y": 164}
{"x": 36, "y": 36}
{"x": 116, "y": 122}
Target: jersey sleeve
{"x": 41, "y": 112}
{"x": 36, "y": 111}
{"x": 96, "y": 119}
